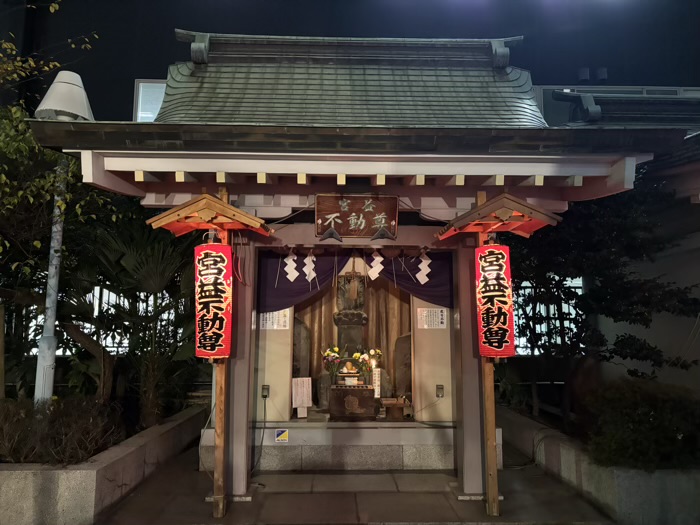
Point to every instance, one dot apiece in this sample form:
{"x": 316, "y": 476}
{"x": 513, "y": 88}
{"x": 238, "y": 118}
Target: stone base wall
{"x": 32, "y": 494}
{"x": 631, "y": 497}
{"x": 354, "y": 446}
{"x": 357, "y": 457}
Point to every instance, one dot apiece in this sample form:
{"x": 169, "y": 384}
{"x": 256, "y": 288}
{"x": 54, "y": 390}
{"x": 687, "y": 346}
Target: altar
{"x": 353, "y": 403}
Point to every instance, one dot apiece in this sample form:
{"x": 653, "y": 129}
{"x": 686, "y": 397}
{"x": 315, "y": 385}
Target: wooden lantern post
{"x": 489, "y": 410}
{"x": 503, "y": 213}
{"x": 2, "y": 351}
{"x": 220, "y": 396}
{"x": 206, "y": 212}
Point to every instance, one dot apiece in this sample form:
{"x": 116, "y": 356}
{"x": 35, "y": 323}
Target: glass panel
{"x": 149, "y": 95}
{"x": 549, "y": 315}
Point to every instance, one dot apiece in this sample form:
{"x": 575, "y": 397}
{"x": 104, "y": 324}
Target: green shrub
{"x": 62, "y": 431}
{"x": 645, "y": 425}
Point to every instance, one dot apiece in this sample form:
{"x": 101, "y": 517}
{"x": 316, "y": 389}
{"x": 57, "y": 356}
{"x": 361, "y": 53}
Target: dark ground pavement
{"x": 175, "y": 495}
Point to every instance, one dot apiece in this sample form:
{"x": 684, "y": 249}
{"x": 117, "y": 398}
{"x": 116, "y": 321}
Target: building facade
{"x": 275, "y": 124}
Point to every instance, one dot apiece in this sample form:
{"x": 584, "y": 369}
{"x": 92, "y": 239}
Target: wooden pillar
{"x": 220, "y": 426}
{"x": 220, "y": 410}
{"x": 242, "y": 364}
{"x": 489, "y": 414}
{"x": 492, "y": 503}
{"x": 469, "y": 435}
{"x": 2, "y": 351}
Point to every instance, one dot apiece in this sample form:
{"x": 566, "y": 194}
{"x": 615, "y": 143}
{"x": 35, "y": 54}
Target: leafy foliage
{"x": 151, "y": 274}
{"x": 106, "y": 245}
{"x": 646, "y": 425}
{"x": 16, "y": 68}
{"x": 600, "y": 241}
{"x": 511, "y": 391}
{"x": 60, "y": 431}
{"x": 29, "y": 177}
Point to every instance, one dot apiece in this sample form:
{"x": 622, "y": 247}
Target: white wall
{"x": 274, "y": 368}
{"x": 674, "y": 335}
{"x": 432, "y": 365}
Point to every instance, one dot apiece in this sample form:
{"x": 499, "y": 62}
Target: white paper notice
{"x": 301, "y": 392}
{"x": 432, "y": 318}
{"x": 275, "y": 320}
{"x": 377, "y": 382}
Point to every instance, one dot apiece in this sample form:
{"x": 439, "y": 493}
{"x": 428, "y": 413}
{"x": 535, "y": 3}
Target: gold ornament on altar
{"x": 349, "y": 368}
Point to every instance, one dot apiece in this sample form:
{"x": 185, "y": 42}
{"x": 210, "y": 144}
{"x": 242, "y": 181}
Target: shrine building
{"x": 358, "y": 176}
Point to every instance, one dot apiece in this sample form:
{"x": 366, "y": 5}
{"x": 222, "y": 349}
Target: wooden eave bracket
{"x": 503, "y": 213}
{"x": 205, "y": 213}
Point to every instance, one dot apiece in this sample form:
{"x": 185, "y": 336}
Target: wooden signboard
{"x": 356, "y": 215}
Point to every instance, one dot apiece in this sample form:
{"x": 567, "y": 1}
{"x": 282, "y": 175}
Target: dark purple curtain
{"x": 277, "y": 292}
{"x": 403, "y": 270}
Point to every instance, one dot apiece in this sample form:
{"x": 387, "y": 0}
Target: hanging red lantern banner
{"x": 213, "y": 273}
{"x": 494, "y": 302}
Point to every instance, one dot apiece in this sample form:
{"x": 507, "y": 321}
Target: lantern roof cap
{"x": 501, "y": 214}
{"x": 207, "y": 213}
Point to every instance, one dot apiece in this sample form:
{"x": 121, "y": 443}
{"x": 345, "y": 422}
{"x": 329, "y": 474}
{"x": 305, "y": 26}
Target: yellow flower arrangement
{"x": 375, "y": 353}
{"x": 331, "y": 360}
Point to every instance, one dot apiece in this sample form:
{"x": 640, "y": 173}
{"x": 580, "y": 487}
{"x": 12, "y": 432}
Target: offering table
{"x": 353, "y": 403}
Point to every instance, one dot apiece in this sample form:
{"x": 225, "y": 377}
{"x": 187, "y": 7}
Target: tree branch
{"x": 99, "y": 352}
{"x": 24, "y": 297}
{"x": 77, "y": 334}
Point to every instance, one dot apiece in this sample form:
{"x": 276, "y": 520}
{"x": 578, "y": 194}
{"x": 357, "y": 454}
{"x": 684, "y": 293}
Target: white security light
{"x": 65, "y": 100}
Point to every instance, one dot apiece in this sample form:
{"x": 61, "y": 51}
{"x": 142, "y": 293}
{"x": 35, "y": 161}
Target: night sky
{"x": 648, "y": 42}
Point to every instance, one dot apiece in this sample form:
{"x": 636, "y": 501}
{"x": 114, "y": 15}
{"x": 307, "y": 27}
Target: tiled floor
{"x": 175, "y": 496}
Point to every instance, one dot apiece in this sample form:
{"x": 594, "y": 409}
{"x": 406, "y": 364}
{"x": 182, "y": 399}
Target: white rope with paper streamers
{"x": 376, "y": 267}
{"x": 290, "y": 267}
{"x": 424, "y": 266}
{"x": 310, "y": 267}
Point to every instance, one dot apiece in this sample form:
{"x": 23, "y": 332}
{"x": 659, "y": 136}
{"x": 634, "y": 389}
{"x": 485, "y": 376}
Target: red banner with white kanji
{"x": 213, "y": 273}
{"x": 494, "y": 302}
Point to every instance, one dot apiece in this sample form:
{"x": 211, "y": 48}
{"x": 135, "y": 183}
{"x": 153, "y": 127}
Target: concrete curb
{"x": 33, "y": 494}
{"x": 631, "y": 497}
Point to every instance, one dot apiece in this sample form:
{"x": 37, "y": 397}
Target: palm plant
{"x": 152, "y": 276}
{"x": 153, "y": 273}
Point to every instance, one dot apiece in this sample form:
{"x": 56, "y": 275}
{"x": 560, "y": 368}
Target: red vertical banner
{"x": 494, "y": 302}
{"x": 213, "y": 275}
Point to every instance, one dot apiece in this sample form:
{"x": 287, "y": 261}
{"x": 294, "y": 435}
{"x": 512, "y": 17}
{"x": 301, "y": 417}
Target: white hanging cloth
{"x": 310, "y": 267}
{"x": 290, "y": 267}
{"x": 424, "y": 266}
{"x": 376, "y": 267}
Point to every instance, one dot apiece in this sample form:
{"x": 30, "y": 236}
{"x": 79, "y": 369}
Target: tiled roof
{"x": 688, "y": 153}
{"x": 631, "y": 111}
{"x": 399, "y": 83}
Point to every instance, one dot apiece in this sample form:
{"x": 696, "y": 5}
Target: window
{"x": 148, "y": 96}
{"x": 549, "y": 317}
